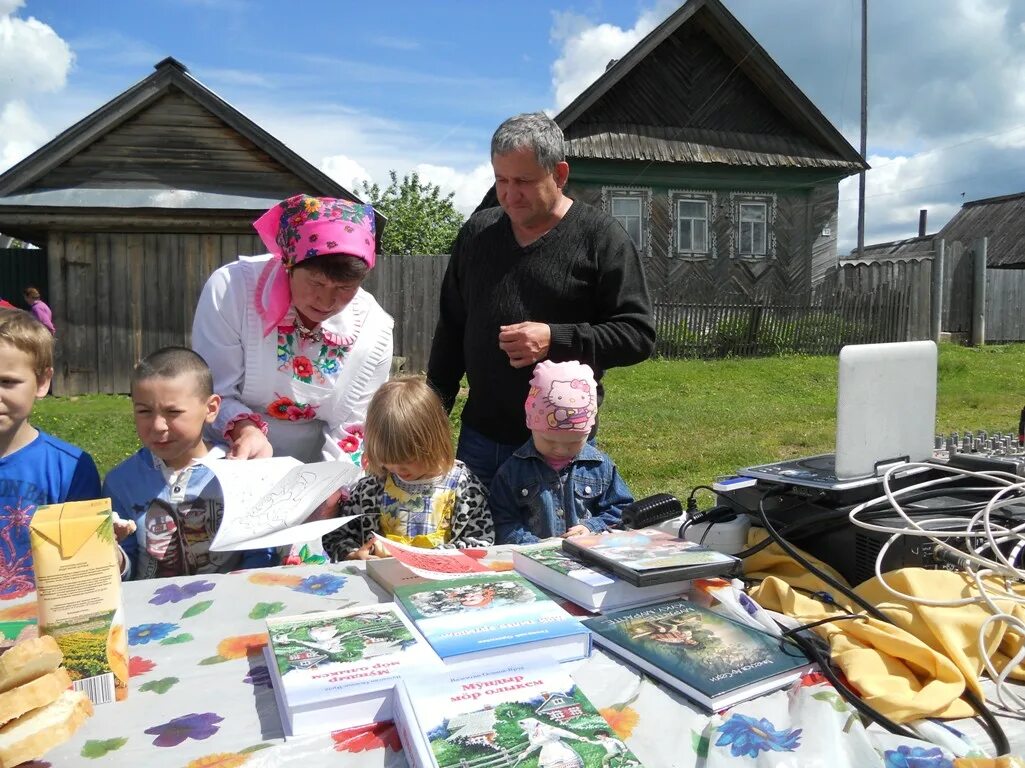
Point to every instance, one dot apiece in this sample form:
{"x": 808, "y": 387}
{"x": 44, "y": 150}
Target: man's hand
{"x": 123, "y": 528}
{"x": 249, "y": 442}
{"x": 525, "y": 343}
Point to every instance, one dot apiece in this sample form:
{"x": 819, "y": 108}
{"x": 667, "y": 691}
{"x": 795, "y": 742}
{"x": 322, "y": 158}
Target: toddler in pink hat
{"x": 558, "y": 483}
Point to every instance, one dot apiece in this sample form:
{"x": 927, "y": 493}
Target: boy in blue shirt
{"x": 557, "y": 483}
{"x": 35, "y": 468}
{"x": 174, "y": 500}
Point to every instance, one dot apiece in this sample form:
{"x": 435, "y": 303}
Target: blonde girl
{"x": 415, "y": 491}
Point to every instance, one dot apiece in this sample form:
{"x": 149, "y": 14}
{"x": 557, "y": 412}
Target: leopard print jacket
{"x": 471, "y": 524}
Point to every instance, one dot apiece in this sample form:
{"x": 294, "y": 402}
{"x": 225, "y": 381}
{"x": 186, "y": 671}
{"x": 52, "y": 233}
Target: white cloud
{"x": 21, "y": 133}
{"x": 33, "y": 60}
{"x": 587, "y": 49}
{"x": 32, "y": 57}
{"x": 469, "y": 187}
{"x": 346, "y": 171}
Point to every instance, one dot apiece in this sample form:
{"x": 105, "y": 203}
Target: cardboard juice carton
{"x": 78, "y": 587}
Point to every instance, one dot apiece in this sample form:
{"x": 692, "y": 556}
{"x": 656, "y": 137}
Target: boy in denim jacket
{"x": 557, "y": 483}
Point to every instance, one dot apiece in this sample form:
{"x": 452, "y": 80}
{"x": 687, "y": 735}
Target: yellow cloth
{"x": 916, "y": 669}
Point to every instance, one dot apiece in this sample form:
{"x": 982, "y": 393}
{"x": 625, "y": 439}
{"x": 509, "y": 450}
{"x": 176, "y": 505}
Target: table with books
{"x": 200, "y": 694}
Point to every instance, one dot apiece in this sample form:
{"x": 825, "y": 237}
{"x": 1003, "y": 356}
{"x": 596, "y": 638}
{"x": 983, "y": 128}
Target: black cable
{"x": 996, "y": 730}
{"x": 827, "y": 620}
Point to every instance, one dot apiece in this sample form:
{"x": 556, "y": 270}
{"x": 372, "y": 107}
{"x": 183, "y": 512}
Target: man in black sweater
{"x": 540, "y": 276}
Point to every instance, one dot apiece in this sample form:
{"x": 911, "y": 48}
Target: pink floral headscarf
{"x": 301, "y": 228}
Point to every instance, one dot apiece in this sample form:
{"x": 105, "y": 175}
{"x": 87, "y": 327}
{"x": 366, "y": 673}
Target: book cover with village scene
{"x": 488, "y": 613}
{"x": 701, "y": 650}
{"x": 645, "y": 549}
{"x": 522, "y": 716}
{"x": 553, "y": 556}
{"x": 316, "y": 656}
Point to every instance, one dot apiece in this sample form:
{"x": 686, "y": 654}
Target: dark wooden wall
{"x": 805, "y": 246}
{"x": 118, "y": 296}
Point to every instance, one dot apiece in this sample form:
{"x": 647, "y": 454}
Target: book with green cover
{"x": 337, "y": 669}
{"x": 474, "y": 617}
{"x": 712, "y": 660}
{"x": 504, "y": 715}
{"x": 591, "y": 587}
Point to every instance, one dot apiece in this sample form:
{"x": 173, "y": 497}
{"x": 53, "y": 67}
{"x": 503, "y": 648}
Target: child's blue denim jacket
{"x": 530, "y": 501}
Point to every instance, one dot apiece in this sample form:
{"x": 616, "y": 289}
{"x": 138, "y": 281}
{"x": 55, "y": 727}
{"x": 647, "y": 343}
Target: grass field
{"x": 674, "y": 424}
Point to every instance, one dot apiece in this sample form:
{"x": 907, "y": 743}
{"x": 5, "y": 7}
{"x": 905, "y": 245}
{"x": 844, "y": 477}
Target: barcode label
{"x": 99, "y": 689}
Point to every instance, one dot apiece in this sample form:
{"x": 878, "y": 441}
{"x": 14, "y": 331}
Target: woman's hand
{"x": 249, "y": 442}
{"x": 576, "y": 530}
{"x": 327, "y": 509}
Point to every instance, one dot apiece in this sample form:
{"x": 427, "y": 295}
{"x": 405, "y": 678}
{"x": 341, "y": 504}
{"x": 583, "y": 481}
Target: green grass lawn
{"x": 674, "y": 424}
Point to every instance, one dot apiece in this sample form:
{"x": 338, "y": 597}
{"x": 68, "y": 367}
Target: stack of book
{"x": 474, "y": 617}
{"x": 647, "y": 557}
{"x": 593, "y": 588}
{"x": 511, "y": 714}
{"x": 337, "y": 669}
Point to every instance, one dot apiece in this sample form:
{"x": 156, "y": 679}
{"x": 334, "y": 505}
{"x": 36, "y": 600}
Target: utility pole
{"x": 864, "y": 127}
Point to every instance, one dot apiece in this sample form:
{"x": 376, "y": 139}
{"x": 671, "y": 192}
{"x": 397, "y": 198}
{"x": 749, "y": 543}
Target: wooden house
{"x": 721, "y": 170}
{"x": 133, "y": 207}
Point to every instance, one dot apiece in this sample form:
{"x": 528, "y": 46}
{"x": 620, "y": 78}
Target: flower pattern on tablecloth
{"x": 916, "y": 757}
{"x": 141, "y": 634}
{"x": 139, "y": 666}
{"x": 192, "y": 726}
{"x": 258, "y": 677}
{"x": 322, "y": 584}
{"x": 175, "y": 593}
{"x": 367, "y": 737}
{"x": 747, "y": 736}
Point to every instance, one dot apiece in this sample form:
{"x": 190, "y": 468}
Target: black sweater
{"x": 583, "y": 278}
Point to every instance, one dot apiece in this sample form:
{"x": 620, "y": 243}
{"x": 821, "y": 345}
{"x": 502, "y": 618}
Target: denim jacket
{"x": 530, "y": 501}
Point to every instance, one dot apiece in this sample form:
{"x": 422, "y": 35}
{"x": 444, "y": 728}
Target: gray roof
{"x": 700, "y": 89}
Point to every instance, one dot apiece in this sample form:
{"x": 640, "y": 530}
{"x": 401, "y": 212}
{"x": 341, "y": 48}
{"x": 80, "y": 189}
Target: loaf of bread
{"x": 28, "y": 660}
{"x": 32, "y": 735}
{"x": 33, "y": 694}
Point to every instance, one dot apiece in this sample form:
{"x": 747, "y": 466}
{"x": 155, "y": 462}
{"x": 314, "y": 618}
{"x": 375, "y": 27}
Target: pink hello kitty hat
{"x": 563, "y": 398}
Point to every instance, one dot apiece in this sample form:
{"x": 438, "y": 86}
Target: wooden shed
{"x": 134, "y": 206}
{"x": 715, "y": 162}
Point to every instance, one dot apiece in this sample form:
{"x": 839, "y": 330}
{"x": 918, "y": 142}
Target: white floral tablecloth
{"x": 200, "y": 697}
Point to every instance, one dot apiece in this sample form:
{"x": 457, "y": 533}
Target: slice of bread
{"x": 32, "y": 735}
{"x": 28, "y": 660}
{"x": 32, "y": 695}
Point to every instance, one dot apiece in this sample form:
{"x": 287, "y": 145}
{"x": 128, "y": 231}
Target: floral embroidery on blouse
{"x": 352, "y": 443}
{"x": 322, "y": 361}
{"x": 287, "y": 409}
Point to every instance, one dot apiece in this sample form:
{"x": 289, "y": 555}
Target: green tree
{"x": 420, "y": 219}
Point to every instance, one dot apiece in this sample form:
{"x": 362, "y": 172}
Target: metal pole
{"x": 864, "y": 127}
{"x": 936, "y": 315}
{"x": 979, "y": 292}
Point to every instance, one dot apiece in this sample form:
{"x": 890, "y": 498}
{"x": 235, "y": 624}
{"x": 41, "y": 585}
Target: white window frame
{"x": 643, "y": 194}
{"x": 709, "y": 198}
{"x": 738, "y": 200}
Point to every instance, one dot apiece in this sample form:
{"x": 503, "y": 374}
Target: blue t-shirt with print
{"x": 46, "y": 471}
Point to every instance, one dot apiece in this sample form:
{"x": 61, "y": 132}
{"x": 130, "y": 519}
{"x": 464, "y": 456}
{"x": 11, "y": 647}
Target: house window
{"x": 752, "y": 235}
{"x": 628, "y": 208}
{"x": 692, "y": 224}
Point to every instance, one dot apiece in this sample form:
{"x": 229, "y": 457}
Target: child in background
{"x": 174, "y": 501}
{"x": 35, "y": 468}
{"x": 558, "y": 484}
{"x": 415, "y": 491}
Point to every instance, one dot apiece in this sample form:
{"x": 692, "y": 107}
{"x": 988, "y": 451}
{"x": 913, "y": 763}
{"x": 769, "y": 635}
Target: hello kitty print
{"x": 563, "y": 397}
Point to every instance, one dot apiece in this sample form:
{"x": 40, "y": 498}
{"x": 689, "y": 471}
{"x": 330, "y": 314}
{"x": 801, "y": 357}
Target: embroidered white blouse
{"x": 313, "y": 393}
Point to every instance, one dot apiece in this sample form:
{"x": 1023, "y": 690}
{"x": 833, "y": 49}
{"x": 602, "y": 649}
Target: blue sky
{"x": 359, "y": 90}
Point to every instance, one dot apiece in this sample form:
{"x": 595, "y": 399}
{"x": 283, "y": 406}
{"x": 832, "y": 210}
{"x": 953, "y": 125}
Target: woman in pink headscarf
{"x": 296, "y": 346}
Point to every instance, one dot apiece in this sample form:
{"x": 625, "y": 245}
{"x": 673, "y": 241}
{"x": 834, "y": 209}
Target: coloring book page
{"x": 433, "y": 563}
{"x": 267, "y": 502}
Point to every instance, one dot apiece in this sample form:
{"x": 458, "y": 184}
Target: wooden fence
{"x": 747, "y": 328}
